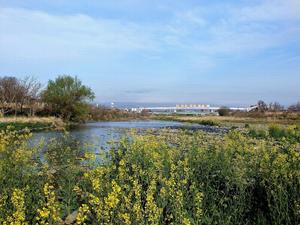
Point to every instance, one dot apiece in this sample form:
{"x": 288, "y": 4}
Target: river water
{"x": 98, "y": 134}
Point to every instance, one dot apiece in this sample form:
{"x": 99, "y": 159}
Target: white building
{"x": 188, "y": 109}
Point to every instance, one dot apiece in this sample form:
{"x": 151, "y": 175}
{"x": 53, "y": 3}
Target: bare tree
{"x": 294, "y": 107}
{"x": 276, "y": 107}
{"x": 30, "y": 89}
{"x": 15, "y": 93}
{"x": 8, "y": 94}
{"x": 262, "y": 106}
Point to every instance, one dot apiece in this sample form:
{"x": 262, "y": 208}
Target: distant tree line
{"x": 68, "y": 98}
{"x": 295, "y": 107}
{"x": 277, "y": 107}
{"x": 262, "y": 107}
{"x": 104, "y": 113}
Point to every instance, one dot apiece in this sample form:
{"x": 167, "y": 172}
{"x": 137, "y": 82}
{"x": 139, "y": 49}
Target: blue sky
{"x": 211, "y": 51}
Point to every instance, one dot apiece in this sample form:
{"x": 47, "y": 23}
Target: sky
{"x": 232, "y": 52}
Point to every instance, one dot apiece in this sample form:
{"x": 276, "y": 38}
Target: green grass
{"x": 31, "y": 126}
{"x": 207, "y": 122}
{"x": 277, "y": 132}
{"x": 32, "y": 123}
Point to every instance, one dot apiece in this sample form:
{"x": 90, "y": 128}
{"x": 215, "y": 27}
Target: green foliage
{"x": 18, "y": 170}
{"x": 165, "y": 178}
{"x": 208, "y": 122}
{"x": 68, "y": 97}
{"x": 31, "y": 126}
{"x": 277, "y": 132}
{"x": 63, "y": 169}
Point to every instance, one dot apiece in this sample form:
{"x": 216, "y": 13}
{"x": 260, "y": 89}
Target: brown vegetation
{"x": 19, "y": 95}
{"x": 104, "y": 113}
{"x": 240, "y": 118}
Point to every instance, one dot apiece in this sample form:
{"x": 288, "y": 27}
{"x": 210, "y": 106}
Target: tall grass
{"x": 170, "y": 178}
{"x": 277, "y": 132}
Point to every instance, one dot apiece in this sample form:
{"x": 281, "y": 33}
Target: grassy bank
{"x": 238, "y": 121}
{"x": 189, "y": 119}
{"x": 170, "y": 178}
{"x": 32, "y": 123}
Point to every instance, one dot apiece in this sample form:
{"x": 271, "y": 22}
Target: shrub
{"x": 276, "y": 131}
{"x": 258, "y": 133}
{"x": 224, "y": 111}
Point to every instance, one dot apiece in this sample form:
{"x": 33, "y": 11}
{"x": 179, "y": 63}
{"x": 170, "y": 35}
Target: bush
{"x": 276, "y": 131}
{"x": 258, "y": 133}
{"x": 224, "y": 111}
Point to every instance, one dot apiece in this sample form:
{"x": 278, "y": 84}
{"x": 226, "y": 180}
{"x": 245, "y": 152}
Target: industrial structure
{"x": 193, "y": 109}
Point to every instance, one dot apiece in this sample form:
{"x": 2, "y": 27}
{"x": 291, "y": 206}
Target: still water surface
{"x": 99, "y": 134}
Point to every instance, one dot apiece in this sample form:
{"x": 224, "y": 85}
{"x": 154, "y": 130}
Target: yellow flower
{"x": 82, "y": 214}
{"x": 125, "y": 218}
{"x": 50, "y": 212}
{"x": 153, "y": 213}
{"x": 186, "y": 221}
{"x": 112, "y": 199}
{"x": 18, "y": 217}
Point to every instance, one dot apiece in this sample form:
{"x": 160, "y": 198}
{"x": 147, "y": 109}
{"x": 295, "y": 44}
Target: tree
{"x": 295, "y": 107}
{"x": 15, "y": 93}
{"x": 68, "y": 97}
{"x": 9, "y": 92}
{"x": 224, "y": 111}
{"x": 276, "y": 107}
{"x": 262, "y": 106}
{"x": 30, "y": 89}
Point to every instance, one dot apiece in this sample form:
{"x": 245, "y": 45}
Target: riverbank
{"x": 32, "y": 123}
{"x": 35, "y": 124}
{"x": 230, "y": 121}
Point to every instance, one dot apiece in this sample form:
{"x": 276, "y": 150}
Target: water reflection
{"x": 98, "y": 134}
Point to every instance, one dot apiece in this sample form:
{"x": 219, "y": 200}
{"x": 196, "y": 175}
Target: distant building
{"x": 192, "y": 109}
{"x": 179, "y": 106}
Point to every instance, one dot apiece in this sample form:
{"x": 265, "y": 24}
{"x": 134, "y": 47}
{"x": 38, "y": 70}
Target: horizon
{"x": 122, "y": 105}
{"x": 155, "y": 52}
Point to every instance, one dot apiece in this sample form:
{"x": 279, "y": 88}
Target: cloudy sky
{"x": 231, "y": 52}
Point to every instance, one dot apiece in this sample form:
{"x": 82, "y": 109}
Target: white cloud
{"x": 232, "y": 29}
{"x": 270, "y": 10}
{"x": 193, "y": 17}
{"x": 205, "y": 32}
{"x": 35, "y": 34}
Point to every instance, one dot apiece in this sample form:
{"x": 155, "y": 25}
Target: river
{"x": 98, "y": 134}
